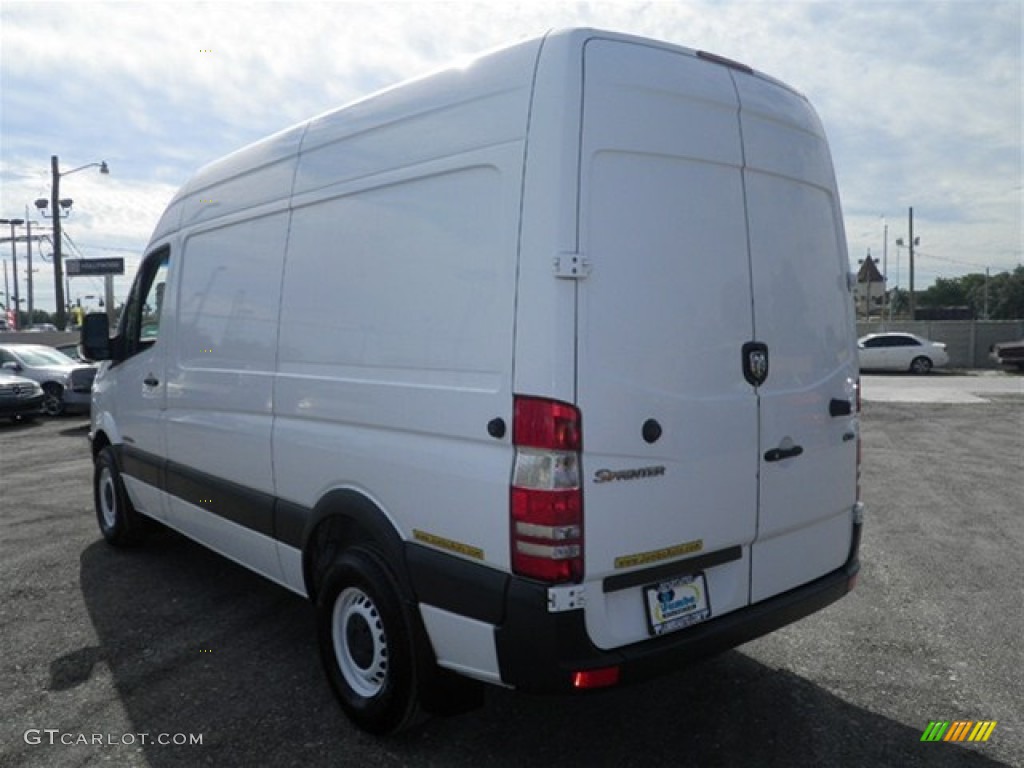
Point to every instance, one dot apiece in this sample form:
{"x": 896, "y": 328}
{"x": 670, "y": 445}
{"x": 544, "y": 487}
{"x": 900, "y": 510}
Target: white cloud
{"x": 921, "y": 100}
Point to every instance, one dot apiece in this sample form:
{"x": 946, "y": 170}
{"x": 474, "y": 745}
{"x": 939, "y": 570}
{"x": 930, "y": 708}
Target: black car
{"x": 1009, "y": 353}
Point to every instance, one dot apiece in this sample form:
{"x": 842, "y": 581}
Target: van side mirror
{"x": 95, "y": 337}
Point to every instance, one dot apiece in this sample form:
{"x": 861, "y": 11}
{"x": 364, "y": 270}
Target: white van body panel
{"x": 545, "y": 348}
{"x": 290, "y": 564}
{"x": 238, "y": 543}
{"x": 416, "y": 367}
{"x": 462, "y": 645}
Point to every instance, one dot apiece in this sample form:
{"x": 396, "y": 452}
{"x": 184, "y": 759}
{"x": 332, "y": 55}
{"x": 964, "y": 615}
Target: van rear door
{"x": 669, "y": 422}
{"x": 712, "y": 337}
{"x": 804, "y": 316}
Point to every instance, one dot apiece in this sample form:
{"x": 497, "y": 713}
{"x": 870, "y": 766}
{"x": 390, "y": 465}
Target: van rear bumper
{"x": 540, "y": 652}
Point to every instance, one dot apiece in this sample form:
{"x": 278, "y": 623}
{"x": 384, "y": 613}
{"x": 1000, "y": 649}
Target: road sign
{"x": 78, "y": 267}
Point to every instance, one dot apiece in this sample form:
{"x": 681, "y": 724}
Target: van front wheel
{"x": 366, "y": 643}
{"x": 119, "y": 523}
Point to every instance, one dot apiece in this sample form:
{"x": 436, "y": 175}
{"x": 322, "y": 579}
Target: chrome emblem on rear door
{"x": 755, "y": 362}
{"x": 759, "y": 365}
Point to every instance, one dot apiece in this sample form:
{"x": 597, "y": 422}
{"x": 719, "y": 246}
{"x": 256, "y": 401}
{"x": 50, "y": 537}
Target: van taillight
{"x": 546, "y": 499}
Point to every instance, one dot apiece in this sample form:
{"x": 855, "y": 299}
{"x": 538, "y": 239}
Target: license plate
{"x": 678, "y": 603}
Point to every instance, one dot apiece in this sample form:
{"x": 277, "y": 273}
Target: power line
{"x": 949, "y": 260}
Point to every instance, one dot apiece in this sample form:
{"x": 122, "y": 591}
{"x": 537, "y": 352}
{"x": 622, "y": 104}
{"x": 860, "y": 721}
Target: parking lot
{"x": 117, "y": 658}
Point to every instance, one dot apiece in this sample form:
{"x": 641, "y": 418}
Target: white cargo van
{"x": 539, "y": 372}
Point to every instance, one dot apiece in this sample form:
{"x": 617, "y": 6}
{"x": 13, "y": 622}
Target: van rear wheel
{"x": 366, "y": 643}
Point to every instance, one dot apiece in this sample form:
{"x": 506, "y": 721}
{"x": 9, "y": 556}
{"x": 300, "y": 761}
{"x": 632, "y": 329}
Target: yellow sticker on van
{"x": 452, "y": 546}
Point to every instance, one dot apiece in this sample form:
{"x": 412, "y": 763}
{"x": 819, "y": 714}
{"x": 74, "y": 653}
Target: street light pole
{"x": 56, "y": 202}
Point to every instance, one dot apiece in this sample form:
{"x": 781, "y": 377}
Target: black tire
{"x": 119, "y": 523}
{"x": 366, "y": 643}
{"x": 920, "y": 365}
{"x": 53, "y": 399}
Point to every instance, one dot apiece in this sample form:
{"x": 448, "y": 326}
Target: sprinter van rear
{"x": 538, "y": 372}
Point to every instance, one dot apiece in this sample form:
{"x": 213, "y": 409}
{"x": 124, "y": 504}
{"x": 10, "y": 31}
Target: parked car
{"x": 20, "y": 398}
{"x": 71, "y": 350}
{"x": 67, "y": 385}
{"x": 1009, "y": 353}
{"x": 900, "y": 352}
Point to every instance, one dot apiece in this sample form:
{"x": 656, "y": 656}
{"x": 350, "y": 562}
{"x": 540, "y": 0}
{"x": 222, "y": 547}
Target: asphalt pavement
{"x": 112, "y": 658}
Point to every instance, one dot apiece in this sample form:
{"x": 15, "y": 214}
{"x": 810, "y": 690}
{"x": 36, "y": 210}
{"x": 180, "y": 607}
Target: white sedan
{"x": 900, "y": 352}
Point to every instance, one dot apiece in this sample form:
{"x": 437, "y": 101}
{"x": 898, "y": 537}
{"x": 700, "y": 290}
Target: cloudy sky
{"x": 921, "y": 99}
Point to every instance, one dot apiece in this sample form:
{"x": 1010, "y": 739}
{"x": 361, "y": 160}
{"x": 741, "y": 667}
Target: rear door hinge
{"x": 571, "y": 266}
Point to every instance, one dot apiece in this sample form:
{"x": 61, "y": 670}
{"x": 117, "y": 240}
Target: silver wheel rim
{"x": 360, "y": 645}
{"x": 108, "y": 498}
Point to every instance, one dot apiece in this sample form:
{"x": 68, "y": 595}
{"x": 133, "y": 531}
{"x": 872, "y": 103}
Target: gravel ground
{"x": 106, "y": 653}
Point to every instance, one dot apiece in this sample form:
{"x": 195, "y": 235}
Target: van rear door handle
{"x": 778, "y": 454}
{"x": 151, "y": 380}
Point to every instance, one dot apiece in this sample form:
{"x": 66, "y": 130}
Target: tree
{"x": 40, "y": 317}
{"x": 899, "y": 301}
{"x": 1005, "y": 294}
{"x": 945, "y": 292}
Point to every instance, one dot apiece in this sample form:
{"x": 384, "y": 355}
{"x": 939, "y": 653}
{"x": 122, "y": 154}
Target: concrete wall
{"x": 967, "y": 341}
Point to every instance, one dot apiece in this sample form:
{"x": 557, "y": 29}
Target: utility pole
{"x": 885, "y": 270}
{"x": 14, "y": 257}
{"x": 58, "y": 267}
{"x": 28, "y": 245}
{"x": 913, "y": 316}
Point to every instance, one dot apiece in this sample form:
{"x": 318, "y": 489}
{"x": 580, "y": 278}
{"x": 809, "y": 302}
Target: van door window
{"x": 140, "y": 325}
